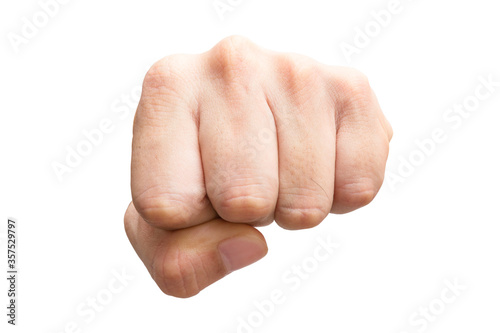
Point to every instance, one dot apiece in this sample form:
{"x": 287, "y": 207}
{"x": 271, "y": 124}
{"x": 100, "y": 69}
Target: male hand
{"x": 235, "y": 138}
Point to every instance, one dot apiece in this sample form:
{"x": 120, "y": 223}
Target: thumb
{"x": 183, "y": 262}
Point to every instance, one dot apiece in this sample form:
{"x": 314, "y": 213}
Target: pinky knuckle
{"x": 358, "y": 194}
{"x": 356, "y": 85}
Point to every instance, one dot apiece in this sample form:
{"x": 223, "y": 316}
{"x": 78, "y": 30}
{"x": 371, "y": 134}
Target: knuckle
{"x": 164, "y": 209}
{"x": 165, "y": 72}
{"x": 355, "y": 85}
{"x": 297, "y": 218}
{"x": 232, "y": 59}
{"x": 248, "y": 203}
{"x": 245, "y": 208}
{"x": 174, "y": 275}
{"x": 171, "y": 79}
{"x": 302, "y": 208}
{"x": 185, "y": 273}
{"x": 357, "y": 194}
{"x": 354, "y": 98}
{"x": 300, "y": 73}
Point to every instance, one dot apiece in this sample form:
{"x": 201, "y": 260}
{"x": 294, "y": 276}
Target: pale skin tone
{"x": 239, "y": 137}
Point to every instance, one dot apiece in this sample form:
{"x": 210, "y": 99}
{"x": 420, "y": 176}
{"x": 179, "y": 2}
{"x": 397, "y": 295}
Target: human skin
{"x": 239, "y": 137}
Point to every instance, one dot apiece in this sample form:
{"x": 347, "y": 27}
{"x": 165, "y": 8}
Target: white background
{"x": 441, "y": 223}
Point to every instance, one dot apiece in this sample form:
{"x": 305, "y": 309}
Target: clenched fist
{"x": 235, "y": 138}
